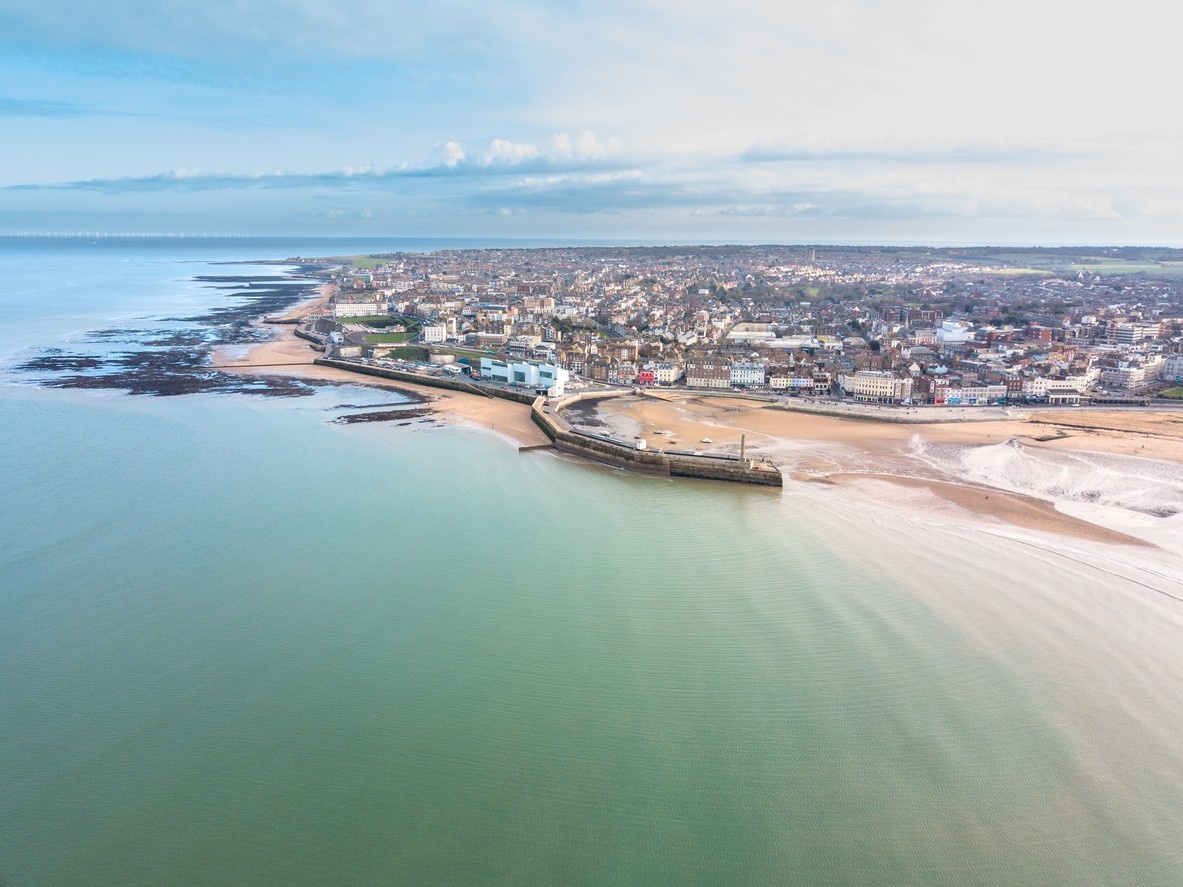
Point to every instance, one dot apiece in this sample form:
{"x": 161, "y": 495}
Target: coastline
{"x": 859, "y": 453}
{"x": 286, "y": 354}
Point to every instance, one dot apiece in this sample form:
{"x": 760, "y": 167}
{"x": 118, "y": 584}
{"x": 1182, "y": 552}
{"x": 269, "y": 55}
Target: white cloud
{"x": 560, "y": 145}
{"x": 502, "y": 151}
{"x": 453, "y": 154}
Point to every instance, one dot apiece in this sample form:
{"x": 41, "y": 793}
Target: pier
{"x": 668, "y": 463}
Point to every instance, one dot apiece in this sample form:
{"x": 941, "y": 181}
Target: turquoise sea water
{"x": 239, "y": 644}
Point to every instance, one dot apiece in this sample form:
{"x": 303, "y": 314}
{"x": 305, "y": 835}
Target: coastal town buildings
{"x": 879, "y": 325}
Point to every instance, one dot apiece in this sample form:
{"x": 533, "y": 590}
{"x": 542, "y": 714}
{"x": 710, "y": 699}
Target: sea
{"x": 243, "y": 642}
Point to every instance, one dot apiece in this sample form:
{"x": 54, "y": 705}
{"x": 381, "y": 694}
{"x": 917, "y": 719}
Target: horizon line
{"x": 576, "y": 240}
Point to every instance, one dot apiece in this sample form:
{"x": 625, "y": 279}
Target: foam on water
{"x": 1128, "y": 493}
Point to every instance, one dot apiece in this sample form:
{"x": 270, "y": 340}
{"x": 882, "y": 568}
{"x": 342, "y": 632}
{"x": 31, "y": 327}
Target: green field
{"x": 364, "y": 263}
{"x": 1175, "y": 393}
{"x": 1005, "y": 271}
{"x": 366, "y": 320}
{"x": 1125, "y": 266}
{"x": 1106, "y": 266}
{"x": 390, "y": 338}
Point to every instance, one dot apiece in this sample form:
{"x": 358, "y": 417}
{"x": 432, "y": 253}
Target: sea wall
{"x": 424, "y": 379}
{"x": 316, "y": 341}
{"x": 623, "y": 455}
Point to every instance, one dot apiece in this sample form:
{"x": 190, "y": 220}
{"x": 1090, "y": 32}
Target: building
{"x": 708, "y": 374}
{"x": 801, "y": 384}
{"x": 1132, "y": 333}
{"x": 1172, "y": 368}
{"x": 1131, "y": 377}
{"x": 527, "y": 373}
{"x": 872, "y": 386}
{"x": 623, "y": 373}
{"x": 747, "y": 374}
{"x": 366, "y": 308}
{"x": 435, "y": 334}
{"x": 666, "y": 373}
{"x": 978, "y": 395}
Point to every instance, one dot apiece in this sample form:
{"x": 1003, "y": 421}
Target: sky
{"x": 664, "y": 120}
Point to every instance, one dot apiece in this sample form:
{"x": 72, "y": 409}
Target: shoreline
{"x": 811, "y": 448}
{"x": 854, "y": 452}
{"x": 289, "y": 355}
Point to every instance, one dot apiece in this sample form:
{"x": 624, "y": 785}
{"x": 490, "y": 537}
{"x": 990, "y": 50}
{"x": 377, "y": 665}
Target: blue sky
{"x": 653, "y": 119}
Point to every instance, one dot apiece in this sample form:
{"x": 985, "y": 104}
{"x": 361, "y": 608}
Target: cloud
{"x": 454, "y": 154}
{"x": 587, "y": 176}
{"x": 906, "y": 153}
{"x": 509, "y": 153}
{"x": 587, "y": 145}
{"x": 453, "y": 160}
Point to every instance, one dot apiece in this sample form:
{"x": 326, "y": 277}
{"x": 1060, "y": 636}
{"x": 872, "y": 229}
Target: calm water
{"x": 241, "y": 644}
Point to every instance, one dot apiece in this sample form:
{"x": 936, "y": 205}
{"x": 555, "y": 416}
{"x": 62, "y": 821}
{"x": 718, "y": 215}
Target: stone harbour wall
{"x": 619, "y": 453}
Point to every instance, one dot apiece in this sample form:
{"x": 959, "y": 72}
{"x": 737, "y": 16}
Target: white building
{"x": 527, "y": 373}
{"x": 792, "y": 383}
{"x": 666, "y": 373}
{"x": 747, "y": 374}
{"x": 868, "y": 386}
{"x": 751, "y": 333}
{"x": 1130, "y": 377}
{"x": 952, "y": 332}
{"x": 1042, "y": 386}
{"x": 435, "y": 334}
{"x": 368, "y": 308}
{"x": 1172, "y": 368}
{"x": 976, "y": 395}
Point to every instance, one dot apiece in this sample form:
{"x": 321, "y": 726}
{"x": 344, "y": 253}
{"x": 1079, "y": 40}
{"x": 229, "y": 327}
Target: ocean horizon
{"x": 244, "y": 642}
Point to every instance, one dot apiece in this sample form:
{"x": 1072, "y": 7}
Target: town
{"x": 899, "y": 326}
